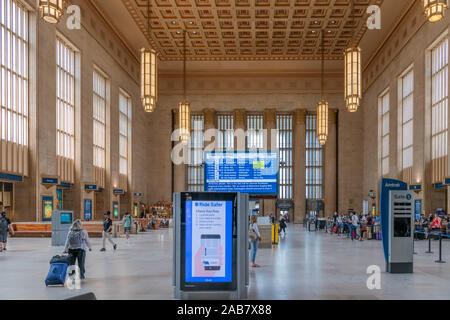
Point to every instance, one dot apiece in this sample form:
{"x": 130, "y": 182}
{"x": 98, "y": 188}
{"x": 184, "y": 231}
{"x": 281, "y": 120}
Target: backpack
{"x": 3, "y": 225}
{"x": 75, "y": 239}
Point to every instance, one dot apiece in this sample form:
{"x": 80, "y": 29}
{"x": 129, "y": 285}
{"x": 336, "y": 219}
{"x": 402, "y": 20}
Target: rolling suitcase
{"x": 57, "y": 274}
{"x": 58, "y": 270}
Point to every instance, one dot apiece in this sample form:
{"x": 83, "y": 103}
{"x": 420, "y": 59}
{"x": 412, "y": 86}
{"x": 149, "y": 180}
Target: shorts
{"x": 3, "y": 236}
{"x": 127, "y": 229}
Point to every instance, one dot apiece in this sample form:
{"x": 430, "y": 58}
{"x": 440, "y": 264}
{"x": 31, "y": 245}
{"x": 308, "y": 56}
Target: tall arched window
{"x": 13, "y": 87}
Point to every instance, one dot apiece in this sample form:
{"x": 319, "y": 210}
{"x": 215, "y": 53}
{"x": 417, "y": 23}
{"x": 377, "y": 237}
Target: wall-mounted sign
{"x": 118, "y": 191}
{"x": 87, "y": 209}
{"x": 415, "y": 187}
{"x": 447, "y": 181}
{"x": 137, "y": 194}
{"x": 65, "y": 185}
{"x": 438, "y": 185}
{"x": 372, "y": 195}
{"x": 10, "y": 177}
{"x": 99, "y": 190}
{"x": 417, "y": 209}
{"x": 49, "y": 181}
{"x": 90, "y": 187}
{"x": 115, "y": 210}
{"x": 47, "y": 208}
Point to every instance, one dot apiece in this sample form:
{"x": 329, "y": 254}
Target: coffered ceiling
{"x": 250, "y": 29}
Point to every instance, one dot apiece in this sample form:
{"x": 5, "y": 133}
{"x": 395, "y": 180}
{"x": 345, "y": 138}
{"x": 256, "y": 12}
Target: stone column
{"x": 299, "y": 166}
{"x": 269, "y": 125}
{"x": 329, "y": 177}
{"x": 239, "y": 129}
{"x": 209, "y": 116}
{"x": 179, "y": 170}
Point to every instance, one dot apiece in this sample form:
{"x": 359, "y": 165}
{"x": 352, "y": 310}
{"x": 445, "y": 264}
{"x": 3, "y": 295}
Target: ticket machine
{"x": 401, "y": 231}
{"x": 61, "y": 223}
{"x": 210, "y": 250}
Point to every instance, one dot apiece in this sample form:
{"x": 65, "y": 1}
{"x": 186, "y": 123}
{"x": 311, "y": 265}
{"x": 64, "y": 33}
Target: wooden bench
{"x": 44, "y": 230}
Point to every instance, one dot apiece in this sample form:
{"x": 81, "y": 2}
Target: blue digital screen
{"x": 208, "y": 241}
{"x": 65, "y": 217}
{"x": 246, "y": 172}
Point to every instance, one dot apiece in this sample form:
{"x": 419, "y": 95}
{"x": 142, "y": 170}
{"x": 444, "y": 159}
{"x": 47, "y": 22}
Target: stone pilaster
{"x": 239, "y": 129}
{"x": 179, "y": 171}
{"x": 329, "y": 177}
{"x": 299, "y": 166}
{"x": 269, "y": 125}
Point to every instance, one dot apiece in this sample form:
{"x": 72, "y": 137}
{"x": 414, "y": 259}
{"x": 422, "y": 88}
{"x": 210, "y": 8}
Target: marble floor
{"x": 305, "y": 265}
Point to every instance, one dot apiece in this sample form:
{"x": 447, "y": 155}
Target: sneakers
{"x": 115, "y": 246}
{"x": 102, "y": 249}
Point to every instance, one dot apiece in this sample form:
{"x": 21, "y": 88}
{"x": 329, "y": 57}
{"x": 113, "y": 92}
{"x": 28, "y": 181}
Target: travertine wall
{"x": 100, "y": 47}
{"x": 407, "y": 46}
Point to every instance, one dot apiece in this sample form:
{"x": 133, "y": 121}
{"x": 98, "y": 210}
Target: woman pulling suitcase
{"x": 76, "y": 244}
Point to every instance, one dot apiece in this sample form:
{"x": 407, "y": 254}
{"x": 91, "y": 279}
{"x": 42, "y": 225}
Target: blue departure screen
{"x": 247, "y": 172}
{"x": 66, "y": 217}
{"x": 209, "y": 241}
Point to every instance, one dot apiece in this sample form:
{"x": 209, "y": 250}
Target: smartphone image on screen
{"x": 210, "y": 254}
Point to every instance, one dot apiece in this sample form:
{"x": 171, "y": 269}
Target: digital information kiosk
{"x": 397, "y": 225}
{"x": 210, "y": 249}
{"x": 61, "y": 223}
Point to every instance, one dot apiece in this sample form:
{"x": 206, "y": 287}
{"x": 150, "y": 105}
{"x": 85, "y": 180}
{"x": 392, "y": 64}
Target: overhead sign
{"x": 118, "y": 191}
{"x": 137, "y": 194}
{"x": 49, "y": 181}
{"x": 209, "y": 234}
{"x": 254, "y": 173}
{"x": 11, "y": 177}
{"x": 90, "y": 187}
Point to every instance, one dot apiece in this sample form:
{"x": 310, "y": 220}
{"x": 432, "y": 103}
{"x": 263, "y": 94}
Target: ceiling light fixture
{"x": 322, "y": 106}
{"x": 184, "y": 106}
{"x": 352, "y": 81}
{"x": 51, "y": 10}
{"x": 434, "y": 9}
{"x": 149, "y": 73}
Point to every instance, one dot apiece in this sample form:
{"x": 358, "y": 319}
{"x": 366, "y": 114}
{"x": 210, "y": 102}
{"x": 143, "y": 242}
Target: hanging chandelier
{"x": 149, "y": 73}
{"x": 322, "y": 106}
{"x": 184, "y": 106}
{"x": 434, "y": 9}
{"x": 148, "y": 79}
{"x": 51, "y": 10}
{"x": 352, "y": 81}
{"x": 322, "y": 122}
{"x": 353, "y": 78}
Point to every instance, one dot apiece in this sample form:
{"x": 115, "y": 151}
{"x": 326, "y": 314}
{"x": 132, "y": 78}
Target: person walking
{"x": 76, "y": 244}
{"x": 254, "y": 237}
{"x": 127, "y": 219}
{"x": 107, "y": 231}
{"x": 5, "y": 226}
{"x": 283, "y": 226}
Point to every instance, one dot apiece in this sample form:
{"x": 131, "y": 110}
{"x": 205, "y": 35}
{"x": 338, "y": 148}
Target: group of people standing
{"x": 353, "y": 224}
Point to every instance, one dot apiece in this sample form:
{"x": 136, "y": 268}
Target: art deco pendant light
{"x": 352, "y": 58}
{"x": 51, "y": 10}
{"x": 434, "y": 9}
{"x": 185, "y": 107}
{"x": 149, "y": 73}
{"x": 322, "y": 106}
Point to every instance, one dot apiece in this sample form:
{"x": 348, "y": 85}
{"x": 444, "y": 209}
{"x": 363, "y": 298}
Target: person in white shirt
{"x": 355, "y": 221}
{"x": 254, "y": 237}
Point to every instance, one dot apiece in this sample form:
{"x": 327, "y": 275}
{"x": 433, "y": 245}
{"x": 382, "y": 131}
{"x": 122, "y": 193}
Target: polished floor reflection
{"x": 305, "y": 265}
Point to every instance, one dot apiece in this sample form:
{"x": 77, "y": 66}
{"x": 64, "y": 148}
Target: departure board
{"x": 255, "y": 173}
